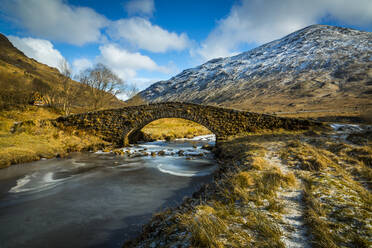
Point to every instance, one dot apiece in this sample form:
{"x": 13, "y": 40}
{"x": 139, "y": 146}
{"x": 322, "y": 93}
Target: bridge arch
{"x": 115, "y": 125}
{"x": 137, "y": 132}
{"x": 178, "y": 113}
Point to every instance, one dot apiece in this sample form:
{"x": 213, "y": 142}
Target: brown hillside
{"x": 18, "y": 75}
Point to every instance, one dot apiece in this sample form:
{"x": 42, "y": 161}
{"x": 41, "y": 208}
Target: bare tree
{"x": 70, "y": 91}
{"x": 131, "y": 90}
{"x": 134, "y": 98}
{"x": 102, "y": 85}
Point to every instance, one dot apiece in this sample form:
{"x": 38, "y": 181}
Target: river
{"x": 97, "y": 199}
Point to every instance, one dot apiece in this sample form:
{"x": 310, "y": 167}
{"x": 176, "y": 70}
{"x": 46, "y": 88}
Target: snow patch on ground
{"x": 345, "y": 127}
{"x": 293, "y": 226}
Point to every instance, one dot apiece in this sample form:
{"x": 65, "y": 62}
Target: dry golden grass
{"x": 306, "y": 156}
{"x": 172, "y": 128}
{"x": 29, "y": 113}
{"x": 315, "y": 115}
{"x": 336, "y": 190}
{"x": 342, "y": 108}
{"x": 224, "y": 225}
{"x": 257, "y": 186}
{"x": 245, "y": 206}
{"x": 34, "y": 141}
{"x": 355, "y": 156}
{"x": 18, "y": 77}
{"x": 335, "y": 206}
{"x": 227, "y": 221}
{"x": 314, "y": 217}
{"x": 210, "y": 228}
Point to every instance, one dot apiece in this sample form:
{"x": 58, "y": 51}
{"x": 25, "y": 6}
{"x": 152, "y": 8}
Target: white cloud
{"x": 142, "y": 7}
{"x": 258, "y": 21}
{"x": 41, "y": 50}
{"x": 142, "y": 34}
{"x": 140, "y": 84}
{"x": 124, "y": 63}
{"x": 81, "y": 64}
{"x": 143, "y": 83}
{"x": 53, "y": 19}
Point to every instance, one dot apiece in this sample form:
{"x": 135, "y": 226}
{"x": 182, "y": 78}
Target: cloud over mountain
{"x": 141, "y": 33}
{"x": 126, "y": 63}
{"x": 258, "y": 22}
{"x": 41, "y": 50}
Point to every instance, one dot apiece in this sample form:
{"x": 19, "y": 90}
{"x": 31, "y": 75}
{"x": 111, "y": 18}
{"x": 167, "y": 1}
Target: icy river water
{"x": 97, "y": 199}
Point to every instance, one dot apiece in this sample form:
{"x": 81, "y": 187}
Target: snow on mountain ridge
{"x": 314, "y": 48}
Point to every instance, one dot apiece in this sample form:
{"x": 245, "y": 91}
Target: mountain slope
{"x": 17, "y": 70}
{"x": 21, "y": 77}
{"x": 318, "y": 67}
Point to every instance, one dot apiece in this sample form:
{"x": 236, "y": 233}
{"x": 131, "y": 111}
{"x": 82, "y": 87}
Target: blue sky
{"x": 144, "y": 41}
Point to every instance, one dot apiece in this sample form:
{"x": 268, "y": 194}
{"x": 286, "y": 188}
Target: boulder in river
{"x": 207, "y": 147}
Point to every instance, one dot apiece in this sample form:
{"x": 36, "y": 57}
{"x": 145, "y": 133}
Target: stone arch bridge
{"x": 117, "y": 125}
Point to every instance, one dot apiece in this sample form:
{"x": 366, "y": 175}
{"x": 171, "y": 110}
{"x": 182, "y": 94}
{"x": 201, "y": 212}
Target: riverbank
{"x": 97, "y": 199}
{"x": 35, "y": 139}
{"x": 278, "y": 189}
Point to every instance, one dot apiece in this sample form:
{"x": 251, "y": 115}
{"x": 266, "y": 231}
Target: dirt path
{"x": 293, "y": 226}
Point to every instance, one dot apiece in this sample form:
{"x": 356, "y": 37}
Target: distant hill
{"x": 318, "y": 68}
{"x": 19, "y": 74}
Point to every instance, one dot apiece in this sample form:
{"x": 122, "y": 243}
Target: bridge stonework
{"x": 116, "y": 125}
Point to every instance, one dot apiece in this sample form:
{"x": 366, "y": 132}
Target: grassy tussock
{"x": 337, "y": 207}
{"x": 210, "y": 228}
{"x": 307, "y": 157}
{"x": 355, "y": 157}
{"x": 224, "y": 225}
{"x": 255, "y": 186}
{"x": 314, "y": 217}
{"x": 338, "y": 211}
{"x": 172, "y": 128}
{"x": 337, "y": 204}
{"x": 246, "y": 209}
{"x": 36, "y": 140}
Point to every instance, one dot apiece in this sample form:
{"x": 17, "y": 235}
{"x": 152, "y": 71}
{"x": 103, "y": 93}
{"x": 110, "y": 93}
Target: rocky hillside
{"x": 317, "y": 68}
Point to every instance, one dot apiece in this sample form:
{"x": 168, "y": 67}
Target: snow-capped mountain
{"x": 305, "y": 66}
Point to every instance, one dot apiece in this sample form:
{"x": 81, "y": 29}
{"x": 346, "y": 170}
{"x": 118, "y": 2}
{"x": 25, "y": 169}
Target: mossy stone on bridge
{"x": 116, "y": 125}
